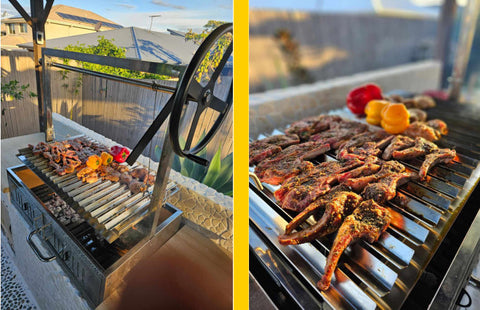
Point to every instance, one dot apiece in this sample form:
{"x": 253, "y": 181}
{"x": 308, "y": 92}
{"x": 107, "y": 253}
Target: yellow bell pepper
{"x": 395, "y": 118}
{"x": 106, "y": 158}
{"x": 94, "y": 161}
{"x": 373, "y": 111}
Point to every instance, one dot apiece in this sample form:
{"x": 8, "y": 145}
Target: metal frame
{"x": 166, "y": 158}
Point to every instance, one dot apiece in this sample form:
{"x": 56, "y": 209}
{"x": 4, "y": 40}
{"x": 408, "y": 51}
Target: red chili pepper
{"x": 358, "y": 97}
{"x": 119, "y": 153}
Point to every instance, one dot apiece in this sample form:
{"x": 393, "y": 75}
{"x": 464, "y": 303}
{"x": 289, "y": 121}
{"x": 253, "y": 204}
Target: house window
{"x": 11, "y": 28}
{"x": 23, "y": 28}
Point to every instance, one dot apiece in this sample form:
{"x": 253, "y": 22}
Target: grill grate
{"x": 380, "y": 274}
{"x": 109, "y": 207}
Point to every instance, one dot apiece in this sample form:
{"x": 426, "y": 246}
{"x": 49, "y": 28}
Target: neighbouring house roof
{"x": 139, "y": 44}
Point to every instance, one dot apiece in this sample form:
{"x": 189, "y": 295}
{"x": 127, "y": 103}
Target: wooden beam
{"x": 46, "y": 11}
{"x": 22, "y": 12}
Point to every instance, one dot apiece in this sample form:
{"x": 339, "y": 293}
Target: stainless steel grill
{"x": 383, "y": 274}
{"x": 108, "y": 206}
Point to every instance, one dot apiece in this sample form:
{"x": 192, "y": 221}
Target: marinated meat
{"x": 337, "y": 208}
{"x": 139, "y": 173}
{"x": 438, "y": 125}
{"x": 419, "y": 102}
{"x": 289, "y": 162}
{"x": 386, "y": 189}
{"x": 125, "y": 178}
{"x": 360, "y": 152}
{"x": 364, "y": 170}
{"x": 282, "y": 141}
{"x": 368, "y": 136}
{"x": 137, "y": 186}
{"x": 420, "y": 148}
{"x": 260, "y": 151}
{"x": 398, "y": 143}
{"x": 417, "y": 115}
{"x": 437, "y": 156}
{"x": 368, "y": 221}
{"x": 419, "y": 129}
{"x": 316, "y": 208}
{"x": 339, "y": 133}
{"x": 389, "y": 167}
{"x": 311, "y": 125}
{"x": 298, "y": 192}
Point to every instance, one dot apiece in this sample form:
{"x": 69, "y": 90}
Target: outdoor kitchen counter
{"x": 47, "y": 281}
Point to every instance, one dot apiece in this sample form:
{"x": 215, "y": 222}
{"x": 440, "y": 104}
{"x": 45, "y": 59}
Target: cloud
{"x": 125, "y": 5}
{"x": 168, "y": 5}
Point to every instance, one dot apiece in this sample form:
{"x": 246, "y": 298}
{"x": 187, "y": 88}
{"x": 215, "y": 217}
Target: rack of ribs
{"x": 388, "y": 167}
{"x": 368, "y": 221}
{"x": 262, "y": 149}
{"x": 289, "y": 162}
{"x": 420, "y": 148}
{"x": 298, "y": 192}
{"x": 437, "y": 156}
{"x": 337, "y": 207}
{"x": 312, "y": 125}
{"x": 386, "y": 189}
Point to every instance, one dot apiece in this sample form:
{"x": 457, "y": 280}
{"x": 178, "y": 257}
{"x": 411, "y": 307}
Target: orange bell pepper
{"x": 373, "y": 111}
{"x": 395, "y": 118}
{"x": 106, "y": 158}
{"x": 94, "y": 161}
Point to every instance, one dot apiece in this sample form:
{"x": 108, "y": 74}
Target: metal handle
{"x": 257, "y": 181}
{"x": 36, "y": 250}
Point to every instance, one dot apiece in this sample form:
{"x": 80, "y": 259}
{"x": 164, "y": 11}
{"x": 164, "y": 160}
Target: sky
{"x": 174, "y": 14}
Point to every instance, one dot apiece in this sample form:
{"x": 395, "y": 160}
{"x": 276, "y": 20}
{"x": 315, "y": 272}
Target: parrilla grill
{"x": 388, "y": 273}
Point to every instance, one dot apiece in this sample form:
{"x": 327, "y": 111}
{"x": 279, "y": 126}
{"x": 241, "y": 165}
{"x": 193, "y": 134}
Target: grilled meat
{"x": 339, "y": 133}
{"x": 398, "y": 143}
{"x": 368, "y": 136}
{"x": 419, "y": 129}
{"x": 336, "y": 209}
{"x": 368, "y": 221}
{"x": 311, "y": 125}
{"x": 420, "y": 148}
{"x": 260, "y": 151}
{"x": 389, "y": 167}
{"x": 139, "y": 173}
{"x": 367, "y": 169}
{"x": 386, "y": 189}
{"x": 264, "y": 148}
{"x": 437, "y": 156}
{"x": 419, "y": 102}
{"x": 417, "y": 115}
{"x": 137, "y": 186}
{"x": 289, "y": 162}
{"x": 298, "y": 192}
{"x": 438, "y": 125}
{"x": 361, "y": 152}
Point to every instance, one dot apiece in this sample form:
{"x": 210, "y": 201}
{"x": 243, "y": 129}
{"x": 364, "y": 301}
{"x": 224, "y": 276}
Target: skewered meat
{"x": 389, "y": 167}
{"x": 419, "y": 129}
{"x": 386, "y": 188}
{"x": 417, "y": 115}
{"x": 289, "y": 162}
{"x": 420, "y": 148}
{"x": 311, "y": 125}
{"x": 398, "y": 143}
{"x": 298, "y": 192}
{"x": 437, "y": 156}
{"x": 260, "y": 151}
{"x": 340, "y": 205}
{"x": 438, "y": 125}
{"x": 368, "y": 221}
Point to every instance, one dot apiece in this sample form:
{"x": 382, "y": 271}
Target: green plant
{"x": 15, "y": 91}
{"x": 214, "y": 56}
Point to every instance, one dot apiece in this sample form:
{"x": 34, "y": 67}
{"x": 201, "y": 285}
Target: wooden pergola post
{"x": 36, "y": 20}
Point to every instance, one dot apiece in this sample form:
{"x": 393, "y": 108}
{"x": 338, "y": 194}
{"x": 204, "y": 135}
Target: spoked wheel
{"x": 193, "y": 88}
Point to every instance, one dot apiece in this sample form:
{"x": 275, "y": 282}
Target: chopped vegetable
{"x": 395, "y": 118}
{"x": 119, "y": 153}
{"x": 94, "y": 161}
{"x": 358, "y": 97}
{"x": 373, "y": 111}
{"x": 106, "y": 158}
